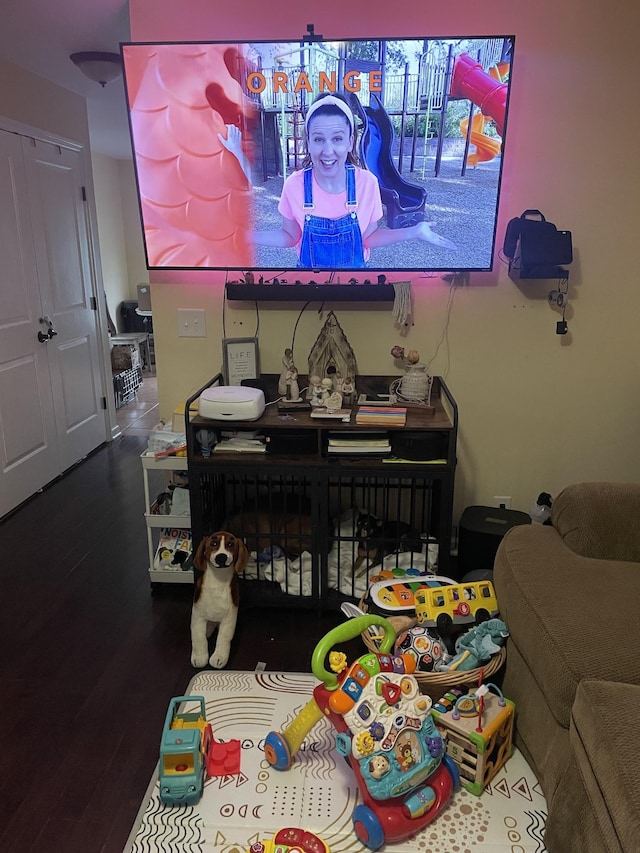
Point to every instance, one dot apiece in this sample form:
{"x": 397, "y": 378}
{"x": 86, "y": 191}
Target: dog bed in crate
{"x": 294, "y": 574}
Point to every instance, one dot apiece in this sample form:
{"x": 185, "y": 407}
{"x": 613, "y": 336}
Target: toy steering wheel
{"x": 341, "y": 634}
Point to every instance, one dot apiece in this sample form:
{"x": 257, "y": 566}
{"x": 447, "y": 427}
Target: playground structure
{"x": 420, "y": 97}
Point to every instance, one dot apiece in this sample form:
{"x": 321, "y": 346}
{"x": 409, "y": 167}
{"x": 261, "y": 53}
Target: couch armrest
{"x": 570, "y": 617}
{"x": 600, "y": 520}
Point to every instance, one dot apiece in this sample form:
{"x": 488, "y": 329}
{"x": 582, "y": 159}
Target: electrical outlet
{"x": 192, "y": 323}
{"x": 503, "y": 501}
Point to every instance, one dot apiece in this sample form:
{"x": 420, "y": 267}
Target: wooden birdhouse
{"x": 331, "y": 355}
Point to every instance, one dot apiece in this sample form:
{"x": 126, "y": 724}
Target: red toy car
{"x": 385, "y": 731}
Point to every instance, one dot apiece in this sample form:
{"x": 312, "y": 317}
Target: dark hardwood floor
{"x": 90, "y": 658}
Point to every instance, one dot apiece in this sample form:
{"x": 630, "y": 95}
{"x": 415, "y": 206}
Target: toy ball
{"x": 425, "y": 645}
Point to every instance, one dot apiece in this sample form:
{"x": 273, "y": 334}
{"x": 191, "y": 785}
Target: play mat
{"x": 318, "y": 792}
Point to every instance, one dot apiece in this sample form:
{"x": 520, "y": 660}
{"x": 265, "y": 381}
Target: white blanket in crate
{"x": 294, "y": 574}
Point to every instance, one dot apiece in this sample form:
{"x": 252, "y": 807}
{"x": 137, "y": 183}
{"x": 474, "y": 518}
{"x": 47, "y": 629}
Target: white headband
{"x": 330, "y": 100}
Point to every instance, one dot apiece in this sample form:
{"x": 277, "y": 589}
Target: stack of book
{"x": 359, "y": 443}
{"x": 332, "y": 414}
{"x": 239, "y": 442}
{"x": 387, "y": 415}
{"x": 174, "y": 551}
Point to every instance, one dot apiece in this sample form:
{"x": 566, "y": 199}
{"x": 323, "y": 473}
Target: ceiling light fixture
{"x": 100, "y": 67}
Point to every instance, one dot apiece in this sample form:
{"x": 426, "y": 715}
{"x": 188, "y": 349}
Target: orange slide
{"x": 487, "y": 147}
{"x": 487, "y": 91}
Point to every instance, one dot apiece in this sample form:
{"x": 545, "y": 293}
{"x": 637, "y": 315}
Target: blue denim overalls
{"x": 330, "y": 243}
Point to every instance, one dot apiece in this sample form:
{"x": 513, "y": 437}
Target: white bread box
{"x": 231, "y": 403}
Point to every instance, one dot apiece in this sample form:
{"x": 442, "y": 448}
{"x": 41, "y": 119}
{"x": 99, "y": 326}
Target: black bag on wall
{"x": 536, "y": 244}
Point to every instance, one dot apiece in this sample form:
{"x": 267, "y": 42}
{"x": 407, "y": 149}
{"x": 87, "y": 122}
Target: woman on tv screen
{"x": 331, "y": 207}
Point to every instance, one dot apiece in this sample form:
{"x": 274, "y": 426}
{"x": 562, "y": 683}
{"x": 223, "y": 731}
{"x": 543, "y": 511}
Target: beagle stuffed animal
{"x": 219, "y": 559}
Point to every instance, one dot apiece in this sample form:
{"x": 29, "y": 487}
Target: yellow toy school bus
{"x": 459, "y": 604}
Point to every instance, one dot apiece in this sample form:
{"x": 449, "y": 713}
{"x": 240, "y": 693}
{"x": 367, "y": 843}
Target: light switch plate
{"x": 192, "y": 323}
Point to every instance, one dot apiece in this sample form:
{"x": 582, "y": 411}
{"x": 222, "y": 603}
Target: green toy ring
{"x": 341, "y": 634}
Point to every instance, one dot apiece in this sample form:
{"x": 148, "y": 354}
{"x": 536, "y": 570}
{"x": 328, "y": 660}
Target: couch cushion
{"x": 604, "y": 722}
{"x": 571, "y": 617}
{"x": 600, "y": 520}
{"x": 539, "y": 736}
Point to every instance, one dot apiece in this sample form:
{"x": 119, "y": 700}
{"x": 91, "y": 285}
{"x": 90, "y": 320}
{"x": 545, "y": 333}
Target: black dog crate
{"x": 278, "y": 517}
{"x": 378, "y": 523}
{"x": 316, "y": 537}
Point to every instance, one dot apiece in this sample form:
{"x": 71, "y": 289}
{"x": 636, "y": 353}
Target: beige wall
{"x": 33, "y": 101}
{"x": 111, "y": 233}
{"x": 134, "y": 248}
{"x": 537, "y": 410}
{"x": 121, "y": 247}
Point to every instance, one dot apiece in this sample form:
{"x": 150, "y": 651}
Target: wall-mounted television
{"x": 321, "y": 158}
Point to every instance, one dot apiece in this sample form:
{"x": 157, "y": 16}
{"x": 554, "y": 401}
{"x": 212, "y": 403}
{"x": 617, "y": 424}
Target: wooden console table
{"x": 320, "y": 488}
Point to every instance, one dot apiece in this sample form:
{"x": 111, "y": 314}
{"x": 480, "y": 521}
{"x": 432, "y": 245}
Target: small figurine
{"x": 315, "y": 391}
{"x": 287, "y": 365}
{"x": 292, "y": 387}
{"x": 326, "y": 385}
{"x": 333, "y": 402}
{"x": 347, "y": 390}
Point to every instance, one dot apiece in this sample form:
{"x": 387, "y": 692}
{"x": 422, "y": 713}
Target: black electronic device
{"x": 481, "y": 531}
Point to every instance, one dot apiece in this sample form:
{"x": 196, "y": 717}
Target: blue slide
{"x": 404, "y": 201}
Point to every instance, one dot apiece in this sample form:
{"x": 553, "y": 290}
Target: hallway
{"x": 141, "y": 415}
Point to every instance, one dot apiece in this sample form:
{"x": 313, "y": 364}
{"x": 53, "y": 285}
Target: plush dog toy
{"x": 219, "y": 559}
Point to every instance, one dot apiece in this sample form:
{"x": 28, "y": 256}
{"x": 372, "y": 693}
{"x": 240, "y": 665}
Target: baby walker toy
{"x": 385, "y": 731}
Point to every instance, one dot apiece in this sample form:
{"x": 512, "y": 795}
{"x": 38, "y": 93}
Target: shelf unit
{"x": 156, "y": 521}
{"x": 298, "y": 480}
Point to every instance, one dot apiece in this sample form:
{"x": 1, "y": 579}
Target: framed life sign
{"x": 240, "y": 360}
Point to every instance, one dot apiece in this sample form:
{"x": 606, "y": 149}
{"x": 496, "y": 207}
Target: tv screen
{"x": 320, "y": 155}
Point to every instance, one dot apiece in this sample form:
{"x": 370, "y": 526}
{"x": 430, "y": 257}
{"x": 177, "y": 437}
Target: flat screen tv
{"x": 240, "y": 166}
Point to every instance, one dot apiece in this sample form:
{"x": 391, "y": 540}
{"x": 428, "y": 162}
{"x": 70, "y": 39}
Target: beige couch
{"x": 570, "y": 595}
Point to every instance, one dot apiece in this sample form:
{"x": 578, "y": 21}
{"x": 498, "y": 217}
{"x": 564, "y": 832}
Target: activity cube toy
{"x": 478, "y": 731}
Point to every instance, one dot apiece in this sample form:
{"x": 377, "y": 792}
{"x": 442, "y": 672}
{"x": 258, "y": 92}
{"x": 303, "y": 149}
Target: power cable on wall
{"x": 444, "y": 335}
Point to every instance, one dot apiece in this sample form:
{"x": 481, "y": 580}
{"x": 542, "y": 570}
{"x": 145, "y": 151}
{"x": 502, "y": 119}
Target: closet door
{"x": 51, "y": 411}
{"x": 59, "y": 217}
{"x": 29, "y": 456}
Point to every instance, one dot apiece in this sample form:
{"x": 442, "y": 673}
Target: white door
{"x": 58, "y": 210}
{"x": 50, "y": 390}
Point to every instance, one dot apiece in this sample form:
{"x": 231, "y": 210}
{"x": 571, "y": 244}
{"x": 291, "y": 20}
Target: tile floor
{"x": 140, "y": 415}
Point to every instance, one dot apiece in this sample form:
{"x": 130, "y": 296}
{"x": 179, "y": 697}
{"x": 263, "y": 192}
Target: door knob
{"x": 51, "y": 333}
{"x": 42, "y": 337}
